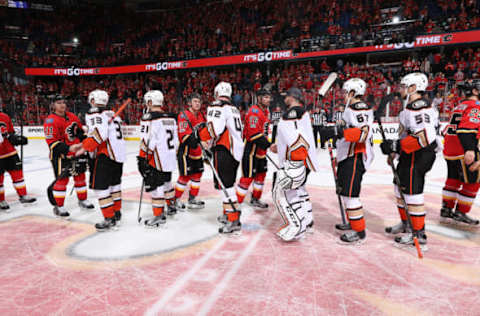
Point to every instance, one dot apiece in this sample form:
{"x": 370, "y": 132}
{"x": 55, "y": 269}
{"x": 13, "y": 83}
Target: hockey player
{"x": 416, "y": 149}
{"x": 63, "y": 129}
{"x": 354, "y": 155}
{"x": 156, "y": 160}
{"x": 297, "y": 157}
{"x": 189, "y": 155}
{"x": 10, "y": 162}
{"x": 106, "y": 144}
{"x": 224, "y": 128}
{"x": 254, "y": 161}
{"x": 462, "y": 184}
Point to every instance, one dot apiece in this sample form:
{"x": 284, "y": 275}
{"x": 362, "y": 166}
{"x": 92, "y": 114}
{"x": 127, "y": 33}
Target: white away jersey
{"x": 224, "y": 124}
{"x": 107, "y": 132}
{"x": 159, "y": 132}
{"x": 294, "y": 131}
{"x": 419, "y": 119}
{"x": 358, "y": 115}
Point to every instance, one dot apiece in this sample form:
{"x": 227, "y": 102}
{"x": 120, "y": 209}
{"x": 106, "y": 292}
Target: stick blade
{"x": 327, "y": 84}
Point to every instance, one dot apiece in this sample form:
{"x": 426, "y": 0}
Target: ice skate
{"x": 171, "y": 210}
{"x": 310, "y": 229}
{"x": 118, "y": 216}
{"x": 397, "y": 229}
{"x": 460, "y": 217}
{"x": 406, "y": 241}
{"x": 156, "y": 221}
{"x": 25, "y": 200}
{"x": 230, "y": 227}
{"x": 353, "y": 237}
{"x": 222, "y": 219}
{"x": 258, "y": 204}
{"x": 107, "y": 224}
{"x": 59, "y": 211}
{"x": 195, "y": 204}
{"x": 4, "y": 206}
{"x": 86, "y": 205}
{"x": 446, "y": 214}
{"x": 180, "y": 206}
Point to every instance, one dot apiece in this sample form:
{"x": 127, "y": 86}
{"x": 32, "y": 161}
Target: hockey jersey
{"x": 469, "y": 126}
{"x": 295, "y": 140}
{"x": 185, "y": 133}
{"x": 224, "y": 127}
{"x": 56, "y": 129}
{"x": 159, "y": 135}
{"x": 452, "y": 147}
{"x": 6, "y": 127}
{"x": 105, "y": 135}
{"x": 256, "y": 130}
{"x": 358, "y": 134}
{"x": 418, "y": 126}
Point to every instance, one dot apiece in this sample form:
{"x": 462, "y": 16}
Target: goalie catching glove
{"x": 292, "y": 176}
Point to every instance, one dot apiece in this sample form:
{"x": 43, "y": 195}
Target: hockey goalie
{"x": 296, "y": 153}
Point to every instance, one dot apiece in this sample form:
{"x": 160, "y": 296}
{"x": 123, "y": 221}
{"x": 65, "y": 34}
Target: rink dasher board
{"x": 132, "y": 132}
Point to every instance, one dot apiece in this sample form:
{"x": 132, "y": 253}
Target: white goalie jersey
{"x": 294, "y": 132}
{"x": 224, "y": 124}
{"x": 159, "y": 133}
{"x": 419, "y": 120}
{"x": 358, "y": 133}
{"x": 106, "y": 131}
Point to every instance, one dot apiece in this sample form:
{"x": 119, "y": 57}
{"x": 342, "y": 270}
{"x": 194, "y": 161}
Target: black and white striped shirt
{"x": 319, "y": 119}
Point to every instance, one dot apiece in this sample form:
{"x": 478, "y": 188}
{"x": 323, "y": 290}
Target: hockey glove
{"x": 74, "y": 131}
{"x": 390, "y": 146}
{"x": 17, "y": 140}
{"x": 79, "y": 165}
{"x": 143, "y": 167}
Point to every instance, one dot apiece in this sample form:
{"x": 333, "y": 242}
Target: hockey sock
{"x": 169, "y": 193}
{"x": 242, "y": 188}
{"x": 59, "y": 189}
{"x": 2, "y": 189}
{"x": 195, "y": 184}
{"x": 181, "y": 186}
{"x": 18, "y": 183}
{"x": 466, "y": 197}
{"x": 232, "y": 215}
{"x": 450, "y": 192}
{"x": 416, "y": 209}
{"x": 116, "y": 193}
{"x": 258, "y": 185}
{"x": 401, "y": 208}
{"x": 80, "y": 186}
{"x": 158, "y": 201}
{"x": 354, "y": 212}
{"x": 105, "y": 201}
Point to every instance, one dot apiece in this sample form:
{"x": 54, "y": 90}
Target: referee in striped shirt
{"x": 337, "y": 117}
{"x": 319, "y": 121}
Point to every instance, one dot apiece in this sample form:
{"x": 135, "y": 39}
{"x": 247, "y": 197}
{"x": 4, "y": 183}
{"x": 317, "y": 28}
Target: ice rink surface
{"x": 64, "y": 267}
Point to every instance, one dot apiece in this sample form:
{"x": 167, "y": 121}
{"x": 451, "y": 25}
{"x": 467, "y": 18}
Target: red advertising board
{"x": 420, "y": 41}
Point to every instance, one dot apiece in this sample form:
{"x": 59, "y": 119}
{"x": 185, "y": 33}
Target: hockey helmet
{"x": 98, "y": 97}
{"x": 357, "y": 85}
{"x": 154, "y": 96}
{"x": 223, "y": 89}
{"x": 418, "y": 79}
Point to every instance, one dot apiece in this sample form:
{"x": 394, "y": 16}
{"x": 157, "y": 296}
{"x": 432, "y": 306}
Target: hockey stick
{"x": 139, "y": 217}
{"x": 327, "y": 84}
{"x": 333, "y": 161}
{"x": 120, "y": 109}
{"x": 396, "y": 178}
{"x": 210, "y": 163}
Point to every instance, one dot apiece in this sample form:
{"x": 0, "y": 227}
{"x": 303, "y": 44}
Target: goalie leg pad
{"x": 290, "y": 206}
{"x": 306, "y": 204}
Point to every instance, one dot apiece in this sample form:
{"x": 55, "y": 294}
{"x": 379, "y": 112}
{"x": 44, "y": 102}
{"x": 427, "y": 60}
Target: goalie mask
{"x": 98, "y": 98}
{"x": 223, "y": 89}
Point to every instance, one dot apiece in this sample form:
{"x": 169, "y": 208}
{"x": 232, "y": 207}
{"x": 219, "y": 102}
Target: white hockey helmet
{"x": 223, "y": 89}
{"x": 415, "y": 78}
{"x": 98, "y": 97}
{"x": 155, "y": 96}
{"x": 355, "y": 84}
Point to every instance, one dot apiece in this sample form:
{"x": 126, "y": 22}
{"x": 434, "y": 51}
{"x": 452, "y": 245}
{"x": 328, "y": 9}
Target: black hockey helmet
{"x": 468, "y": 86}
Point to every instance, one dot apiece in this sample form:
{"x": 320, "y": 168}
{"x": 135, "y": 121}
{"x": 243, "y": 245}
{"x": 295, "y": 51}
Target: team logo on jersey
{"x": 418, "y": 104}
{"x": 253, "y": 121}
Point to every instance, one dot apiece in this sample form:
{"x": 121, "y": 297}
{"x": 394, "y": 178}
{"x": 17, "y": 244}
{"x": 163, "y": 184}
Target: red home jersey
{"x": 256, "y": 126}
{"x": 184, "y": 130}
{"x": 6, "y": 127}
{"x": 56, "y": 127}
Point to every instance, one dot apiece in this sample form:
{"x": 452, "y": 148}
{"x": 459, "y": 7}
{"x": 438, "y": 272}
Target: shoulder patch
{"x": 93, "y": 110}
{"x": 49, "y": 121}
{"x": 254, "y": 110}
